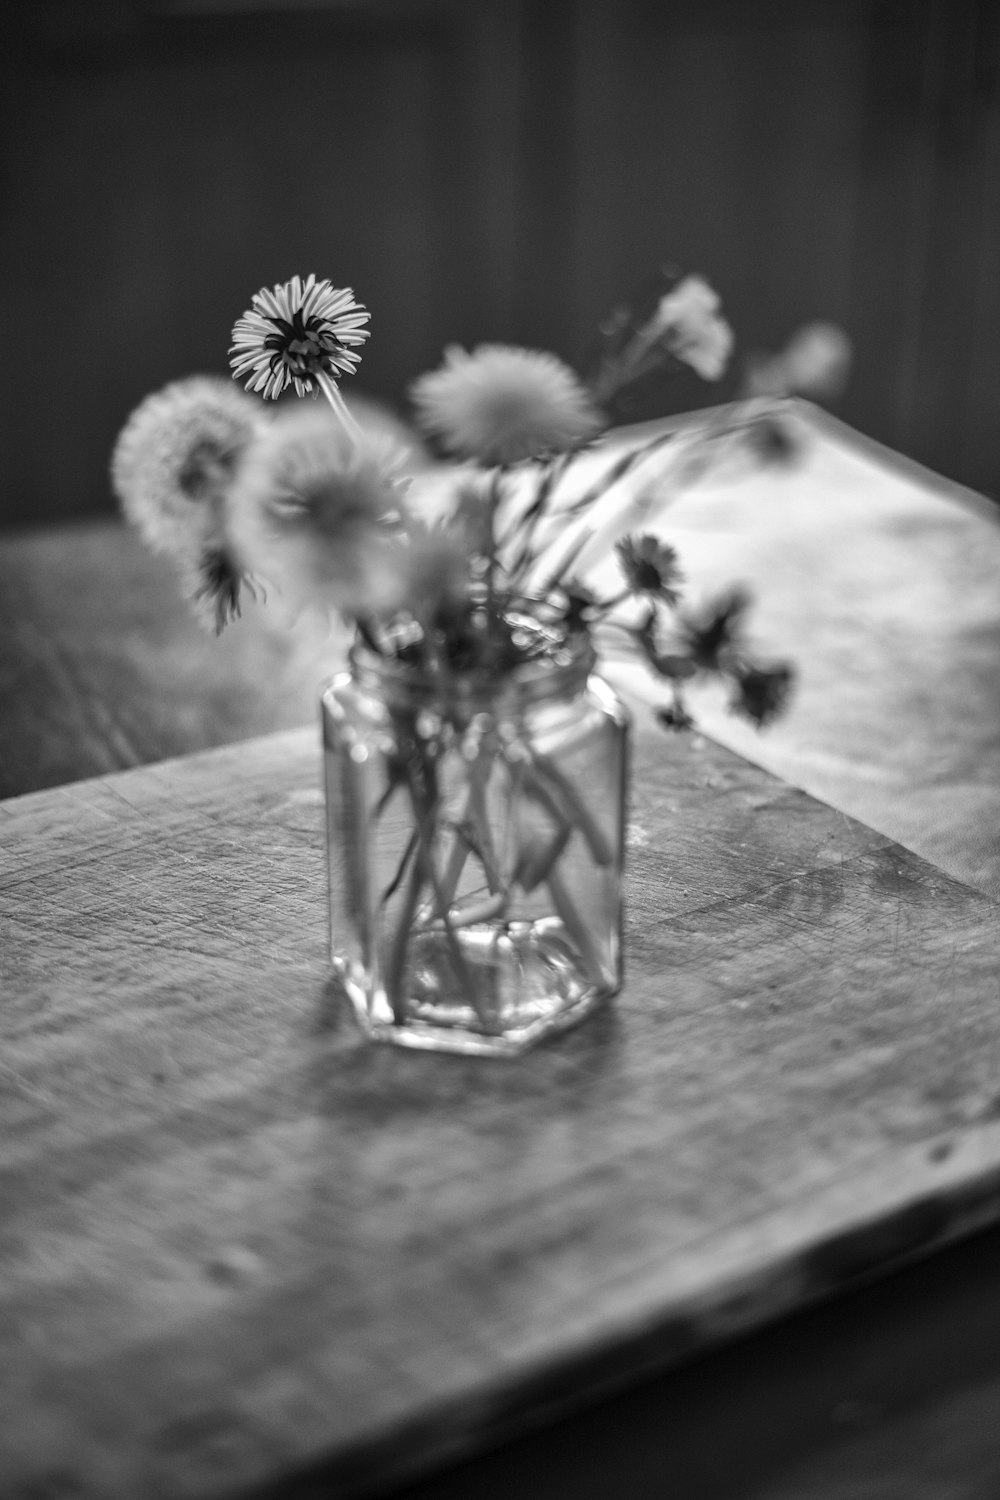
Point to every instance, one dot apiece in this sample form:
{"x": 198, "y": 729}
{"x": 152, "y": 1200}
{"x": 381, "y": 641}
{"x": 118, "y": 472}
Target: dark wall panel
{"x": 162, "y": 165}
{"x": 500, "y": 169}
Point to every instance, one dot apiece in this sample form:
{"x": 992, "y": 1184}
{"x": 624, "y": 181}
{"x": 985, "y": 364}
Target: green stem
{"x": 578, "y": 544}
{"x": 396, "y": 880}
{"x": 460, "y": 851}
{"x": 495, "y": 496}
{"x": 575, "y": 926}
{"x": 331, "y": 391}
{"x": 618, "y": 470}
{"x": 425, "y": 858}
{"x": 396, "y": 967}
{"x": 534, "y": 867}
{"x": 527, "y": 523}
{"x": 486, "y": 910}
{"x": 480, "y": 841}
{"x": 465, "y": 844}
{"x": 572, "y": 808}
{"x": 487, "y": 848}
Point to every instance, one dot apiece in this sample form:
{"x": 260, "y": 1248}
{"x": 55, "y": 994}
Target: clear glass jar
{"x": 475, "y": 846}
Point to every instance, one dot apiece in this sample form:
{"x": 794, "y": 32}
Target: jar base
{"x": 441, "y": 1035}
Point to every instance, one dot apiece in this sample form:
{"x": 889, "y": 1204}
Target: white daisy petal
{"x": 267, "y": 302}
{"x": 296, "y": 332}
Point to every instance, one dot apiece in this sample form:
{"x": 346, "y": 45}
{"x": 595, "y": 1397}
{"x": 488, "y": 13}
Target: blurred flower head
{"x": 712, "y": 636}
{"x": 815, "y": 362}
{"x": 444, "y": 570}
{"x": 315, "y": 514}
{"x": 469, "y": 519}
{"x": 650, "y": 567}
{"x": 500, "y": 404}
{"x": 818, "y": 360}
{"x": 176, "y": 460}
{"x": 174, "y": 468}
{"x": 434, "y": 573}
{"x": 761, "y": 693}
{"x": 296, "y": 334}
{"x": 689, "y": 324}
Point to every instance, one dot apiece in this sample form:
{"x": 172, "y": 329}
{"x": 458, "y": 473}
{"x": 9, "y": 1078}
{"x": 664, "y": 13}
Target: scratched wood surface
{"x": 239, "y": 1245}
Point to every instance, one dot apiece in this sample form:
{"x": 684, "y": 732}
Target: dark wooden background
{"x": 498, "y": 169}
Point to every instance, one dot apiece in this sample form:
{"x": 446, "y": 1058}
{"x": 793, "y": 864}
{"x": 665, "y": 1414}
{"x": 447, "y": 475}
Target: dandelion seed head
{"x": 177, "y": 459}
{"x": 314, "y": 511}
{"x": 500, "y": 404}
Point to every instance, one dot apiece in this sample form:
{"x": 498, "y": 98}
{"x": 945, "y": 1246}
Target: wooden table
{"x": 243, "y": 1252}
{"x": 239, "y": 1243}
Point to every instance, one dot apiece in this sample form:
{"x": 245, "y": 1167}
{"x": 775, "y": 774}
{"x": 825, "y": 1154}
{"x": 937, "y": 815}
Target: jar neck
{"x": 559, "y": 672}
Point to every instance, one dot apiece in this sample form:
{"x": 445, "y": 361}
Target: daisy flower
{"x": 302, "y": 333}
{"x": 650, "y": 567}
{"x": 713, "y": 638}
{"x": 761, "y": 693}
{"x": 500, "y": 404}
{"x": 173, "y": 469}
{"x": 314, "y": 514}
{"x": 687, "y": 320}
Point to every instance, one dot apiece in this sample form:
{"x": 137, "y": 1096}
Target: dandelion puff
{"x": 500, "y": 404}
{"x": 175, "y": 462}
{"x": 173, "y": 468}
{"x": 302, "y": 334}
{"x": 316, "y": 514}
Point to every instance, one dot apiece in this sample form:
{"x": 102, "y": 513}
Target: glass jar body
{"x": 475, "y": 845}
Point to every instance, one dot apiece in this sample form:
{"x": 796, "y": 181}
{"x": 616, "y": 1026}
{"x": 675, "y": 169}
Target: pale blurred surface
{"x": 881, "y": 582}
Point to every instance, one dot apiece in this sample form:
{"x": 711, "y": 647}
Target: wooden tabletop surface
{"x": 241, "y": 1246}
{"x": 679, "y": 1252}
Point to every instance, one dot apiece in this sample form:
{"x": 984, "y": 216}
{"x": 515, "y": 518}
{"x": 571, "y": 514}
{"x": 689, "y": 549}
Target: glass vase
{"x": 475, "y": 840}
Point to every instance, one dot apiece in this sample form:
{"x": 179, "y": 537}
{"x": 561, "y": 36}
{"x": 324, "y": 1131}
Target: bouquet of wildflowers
{"x": 320, "y": 510}
{"x": 473, "y": 571}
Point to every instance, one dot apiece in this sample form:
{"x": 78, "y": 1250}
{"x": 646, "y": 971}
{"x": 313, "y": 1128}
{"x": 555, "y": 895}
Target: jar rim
{"x": 569, "y": 659}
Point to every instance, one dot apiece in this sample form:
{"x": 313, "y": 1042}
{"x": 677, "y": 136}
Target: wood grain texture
{"x": 239, "y": 1244}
